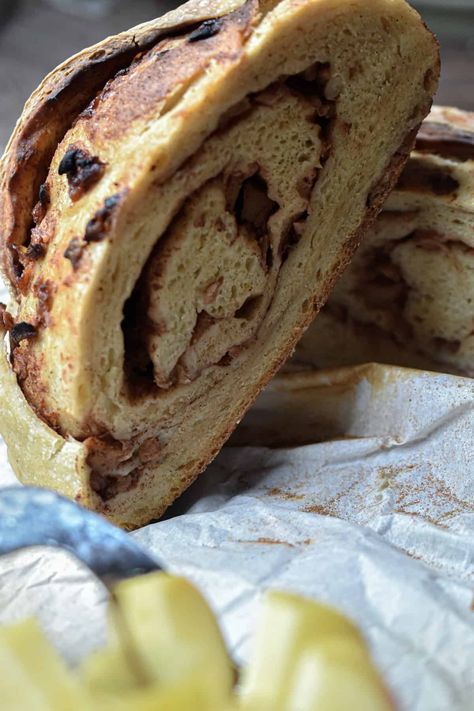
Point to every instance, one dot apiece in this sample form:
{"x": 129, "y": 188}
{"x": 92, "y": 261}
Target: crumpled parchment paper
{"x": 377, "y": 520}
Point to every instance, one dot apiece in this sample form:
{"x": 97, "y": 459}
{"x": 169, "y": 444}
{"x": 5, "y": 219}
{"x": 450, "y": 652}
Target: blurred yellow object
{"x": 309, "y": 657}
{"x": 289, "y": 624}
{"x": 336, "y": 676}
{"x": 166, "y": 653}
{"x": 108, "y": 671}
{"x": 33, "y": 677}
{"x": 172, "y": 631}
{"x": 189, "y": 695}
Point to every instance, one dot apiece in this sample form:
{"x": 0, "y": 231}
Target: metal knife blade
{"x": 30, "y": 516}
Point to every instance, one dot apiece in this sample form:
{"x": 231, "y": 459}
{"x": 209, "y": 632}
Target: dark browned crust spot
{"x": 35, "y": 251}
{"x": 157, "y": 80}
{"x": 26, "y": 257}
{"x": 72, "y": 87}
{"x": 209, "y": 28}
{"x": 41, "y": 207}
{"x": 74, "y": 252}
{"x": 6, "y": 319}
{"x": 445, "y": 140}
{"x": 43, "y": 194}
{"x": 82, "y": 171}
{"x": 68, "y": 165}
{"x": 422, "y": 177}
{"x": 99, "y": 225}
{"x": 25, "y": 277}
{"x": 17, "y": 267}
{"x": 22, "y": 331}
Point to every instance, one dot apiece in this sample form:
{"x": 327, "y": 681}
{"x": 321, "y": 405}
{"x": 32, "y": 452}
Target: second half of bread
{"x": 408, "y": 296}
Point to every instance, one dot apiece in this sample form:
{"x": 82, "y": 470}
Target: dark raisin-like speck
{"x": 43, "y": 194}
{"x": 82, "y": 171}
{"x": 74, "y": 251}
{"x": 100, "y": 224}
{"x": 68, "y": 162}
{"x": 21, "y": 331}
{"x": 35, "y": 251}
{"x": 207, "y": 29}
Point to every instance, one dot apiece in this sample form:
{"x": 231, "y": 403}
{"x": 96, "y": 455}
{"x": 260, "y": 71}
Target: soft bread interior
{"x": 176, "y": 285}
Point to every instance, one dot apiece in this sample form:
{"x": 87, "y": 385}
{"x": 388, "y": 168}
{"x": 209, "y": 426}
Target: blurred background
{"x": 36, "y": 35}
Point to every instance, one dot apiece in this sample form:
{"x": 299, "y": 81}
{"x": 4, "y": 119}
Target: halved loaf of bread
{"x": 408, "y": 296}
{"x": 177, "y": 203}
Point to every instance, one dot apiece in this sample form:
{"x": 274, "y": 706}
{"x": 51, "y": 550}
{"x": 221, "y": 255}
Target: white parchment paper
{"x": 378, "y": 520}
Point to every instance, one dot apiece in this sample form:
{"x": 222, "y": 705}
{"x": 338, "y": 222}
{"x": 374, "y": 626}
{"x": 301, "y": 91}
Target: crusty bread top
{"x": 71, "y": 86}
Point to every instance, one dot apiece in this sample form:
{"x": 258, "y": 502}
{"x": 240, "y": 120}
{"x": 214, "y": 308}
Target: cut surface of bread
{"x": 407, "y": 298}
{"x": 174, "y": 226}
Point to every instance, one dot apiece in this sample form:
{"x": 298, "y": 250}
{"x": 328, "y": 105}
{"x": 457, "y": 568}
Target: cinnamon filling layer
{"x": 387, "y": 278}
{"x": 421, "y": 177}
{"x": 209, "y": 281}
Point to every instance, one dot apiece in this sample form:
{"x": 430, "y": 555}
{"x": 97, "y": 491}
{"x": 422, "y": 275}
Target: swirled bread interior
{"x": 168, "y": 242}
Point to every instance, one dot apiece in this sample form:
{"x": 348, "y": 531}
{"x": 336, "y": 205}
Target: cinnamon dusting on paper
{"x": 331, "y": 507}
{"x": 272, "y": 542}
{"x": 276, "y": 542}
{"x": 444, "y": 503}
{"x": 406, "y": 496}
{"x": 282, "y": 494}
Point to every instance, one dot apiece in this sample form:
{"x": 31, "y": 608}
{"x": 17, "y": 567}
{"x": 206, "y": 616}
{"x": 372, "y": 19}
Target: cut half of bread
{"x": 177, "y": 202}
{"x": 408, "y": 296}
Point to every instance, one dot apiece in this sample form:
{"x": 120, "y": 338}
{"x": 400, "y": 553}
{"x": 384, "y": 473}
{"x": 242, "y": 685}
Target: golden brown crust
{"x": 72, "y": 86}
